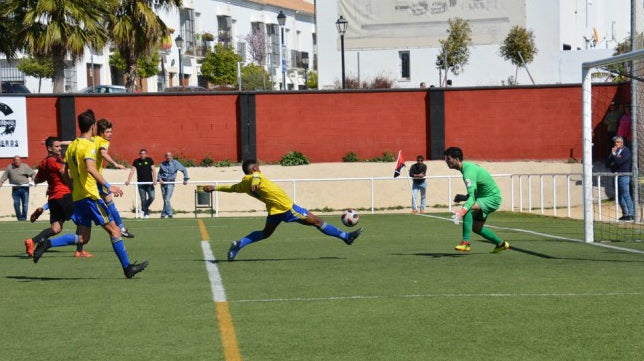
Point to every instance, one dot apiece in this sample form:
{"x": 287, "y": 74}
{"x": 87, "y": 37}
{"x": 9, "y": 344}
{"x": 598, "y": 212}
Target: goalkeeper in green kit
{"x": 483, "y": 198}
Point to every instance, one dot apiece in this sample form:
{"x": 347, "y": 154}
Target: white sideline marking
{"x": 216, "y": 284}
{"x": 442, "y": 295}
{"x": 552, "y": 236}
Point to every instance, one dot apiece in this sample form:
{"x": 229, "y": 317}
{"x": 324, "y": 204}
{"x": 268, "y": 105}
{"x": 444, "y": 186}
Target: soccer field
{"x": 400, "y": 292}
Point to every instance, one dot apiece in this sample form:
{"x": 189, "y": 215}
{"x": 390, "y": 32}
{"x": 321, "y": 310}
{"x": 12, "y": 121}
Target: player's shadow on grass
{"x": 40, "y": 279}
{"x": 433, "y": 255}
{"x": 276, "y": 259}
{"x": 24, "y": 255}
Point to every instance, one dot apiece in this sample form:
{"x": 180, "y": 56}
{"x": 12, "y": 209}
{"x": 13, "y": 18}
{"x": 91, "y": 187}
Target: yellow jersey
{"x": 101, "y": 143}
{"x": 84, "y": 183}
{"x": 276, "y": 200}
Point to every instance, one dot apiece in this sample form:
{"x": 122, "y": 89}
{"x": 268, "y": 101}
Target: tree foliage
{"x": 220, "y": 67}
{"x": 255, "y": 77}
{"x": 58, "y": 29}
{"x": 519, "y": 44}
{"x": 257, "y": 46}
{"x": 455, "y": 49}
{"x": 137, "y": 31}
{"x": 37, "y": 67}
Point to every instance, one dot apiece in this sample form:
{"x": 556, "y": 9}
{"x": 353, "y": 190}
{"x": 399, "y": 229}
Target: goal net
{"x": 602, "y": 99}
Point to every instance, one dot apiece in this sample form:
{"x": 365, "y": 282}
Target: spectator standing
{"x": 146, "y": 179}
{"x": 166, "y": 177}
{"x": 624, "y": 128}
{"x": 611, "y": 121}
{"x": 21, "y": 177}
{"x": 619, "y": 161}
{"x": 418, "y": 171}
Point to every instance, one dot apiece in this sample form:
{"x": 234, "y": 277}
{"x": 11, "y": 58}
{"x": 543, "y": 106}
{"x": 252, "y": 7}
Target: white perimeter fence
{"x": 555, "y": 194}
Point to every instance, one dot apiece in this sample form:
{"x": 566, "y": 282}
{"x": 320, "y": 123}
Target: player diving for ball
{"x": 280, "y": 208}
{"x": 483, "y": 198}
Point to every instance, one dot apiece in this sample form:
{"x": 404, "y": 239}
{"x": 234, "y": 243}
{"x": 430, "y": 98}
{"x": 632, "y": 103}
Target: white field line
{"x": 216, "y": 284}
{"x": 552, "y": 236}
{"x": 443, "y": 295}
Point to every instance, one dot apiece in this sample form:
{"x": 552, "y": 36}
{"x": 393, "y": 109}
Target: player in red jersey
{"x": 51, "y": 170}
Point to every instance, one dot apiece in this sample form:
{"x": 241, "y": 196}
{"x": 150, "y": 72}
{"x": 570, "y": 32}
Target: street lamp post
{"x": 305, "y": 62}
{"x": 179, "y": 41}
{"x": 341, "y": 24}
{"x": 281, "y": 20}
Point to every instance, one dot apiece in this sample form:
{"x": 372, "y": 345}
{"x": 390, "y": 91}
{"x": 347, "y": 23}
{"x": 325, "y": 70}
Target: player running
{"x": 102, "y": 140}
{"x": 280, "y": 208}
{"x": 80, "y": 164}
{"x": 483, "y": 198}
{"x": 59, "y": 200}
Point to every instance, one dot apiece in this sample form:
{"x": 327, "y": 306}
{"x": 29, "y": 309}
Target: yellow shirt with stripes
{"x": 276, "y": 200}
{"x": 84, "y": 184}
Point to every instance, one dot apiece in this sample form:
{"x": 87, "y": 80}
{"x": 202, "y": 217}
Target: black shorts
{"x": 61, "y": 209}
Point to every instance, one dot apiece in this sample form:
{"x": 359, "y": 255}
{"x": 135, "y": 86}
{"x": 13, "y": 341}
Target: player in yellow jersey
{"x": 102, "y": 140}
{"x": 280, "y": 208}
{"x": 89, "y": 207}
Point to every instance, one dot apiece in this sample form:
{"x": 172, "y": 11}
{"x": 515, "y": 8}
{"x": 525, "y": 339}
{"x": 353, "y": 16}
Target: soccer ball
{"x": 350, "y": 217}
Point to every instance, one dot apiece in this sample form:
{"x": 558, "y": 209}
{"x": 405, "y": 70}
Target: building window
{"x": 187, "y": 19}
{"x": 404, "y": 65}
{"x": 224, "y": 30}
{"x": 257, "y": 43}
{"x": 241, "y": 50}
{"x": 272, "y": 32}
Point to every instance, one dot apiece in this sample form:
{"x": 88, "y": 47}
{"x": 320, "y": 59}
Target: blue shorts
{"x": 295, "y": 214}
{"x": 89, "y": 210}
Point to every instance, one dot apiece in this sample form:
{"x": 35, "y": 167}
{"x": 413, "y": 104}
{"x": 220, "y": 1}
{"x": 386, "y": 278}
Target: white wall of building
{"x": 554, "y": 23}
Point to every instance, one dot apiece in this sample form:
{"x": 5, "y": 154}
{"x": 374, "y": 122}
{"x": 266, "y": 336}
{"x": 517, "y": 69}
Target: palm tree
{"x": 58, "y": 29}
{"x": 136, "y": 30}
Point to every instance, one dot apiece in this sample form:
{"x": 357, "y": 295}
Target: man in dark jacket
{"x": 619, "y": 161}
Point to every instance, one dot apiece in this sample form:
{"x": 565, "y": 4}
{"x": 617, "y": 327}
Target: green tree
{"x": 38, "y": 68}
{"x": 519, "y": 47}
{"x": 312, "y": 80}
{"x": 455, "y": 49}
{"x": 621, "y": 70}
{"x": 9, "y": 44}
{"x": 220, "y": 67}
{"x": 136, "y": 31}
{"x": 58, "y": 29}
{"x": 254, "y": 77}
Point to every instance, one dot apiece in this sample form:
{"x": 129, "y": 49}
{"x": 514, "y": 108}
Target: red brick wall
{"x": 489, "y": 124}
{"x": 327, "y": 126}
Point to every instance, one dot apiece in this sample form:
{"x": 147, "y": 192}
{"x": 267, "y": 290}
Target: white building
{"x": 230, "y": 22}
{"x": 398, "y": 39}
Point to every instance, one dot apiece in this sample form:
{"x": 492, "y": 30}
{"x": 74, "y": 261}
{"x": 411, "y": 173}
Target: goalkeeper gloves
{"x": 458, "y": 216}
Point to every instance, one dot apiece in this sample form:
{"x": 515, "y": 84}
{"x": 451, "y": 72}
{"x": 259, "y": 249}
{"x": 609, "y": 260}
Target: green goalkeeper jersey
{"x": 479, "y": 184}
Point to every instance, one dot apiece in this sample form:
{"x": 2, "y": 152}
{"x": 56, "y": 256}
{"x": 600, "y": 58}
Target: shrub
{"x": 293, "y": 158}
{"x": 207, "y": 162}
{"x": 350, "y": 157}
{"x": 184, "y": 161}
{"x": 224, "y": 163}
{"x": 386, "y": 157}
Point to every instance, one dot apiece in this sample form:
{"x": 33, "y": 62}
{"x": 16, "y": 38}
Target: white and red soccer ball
{"x": 350, "y": 217}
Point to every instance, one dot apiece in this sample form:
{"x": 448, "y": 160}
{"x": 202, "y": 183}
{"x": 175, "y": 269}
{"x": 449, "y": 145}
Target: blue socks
{"x": 252, "y": 237}
{"x": 333, "y": 231}
{"x": 119, "y": 248}
{"x": 115, "y": 214}
{"x": 64, "y": 240}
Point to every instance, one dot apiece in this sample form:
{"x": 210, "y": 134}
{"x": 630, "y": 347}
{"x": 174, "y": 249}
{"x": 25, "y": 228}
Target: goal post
{"x": 636, "y": 64}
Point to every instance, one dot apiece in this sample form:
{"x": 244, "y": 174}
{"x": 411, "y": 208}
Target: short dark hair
{"x": 102, "y": 125}
{"x": 454, "y": 152}
{"x": 85, "y": 120}
{"x": 247, "y": 165}
{"x": 49, "y": 142}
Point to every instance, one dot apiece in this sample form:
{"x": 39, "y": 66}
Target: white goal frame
{"x": 587, "y": 138}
